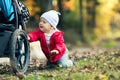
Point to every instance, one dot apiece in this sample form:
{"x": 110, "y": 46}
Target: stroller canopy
{"x": 6, "y": 11}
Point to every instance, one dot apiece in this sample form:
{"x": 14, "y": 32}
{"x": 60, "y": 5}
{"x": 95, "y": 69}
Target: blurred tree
{"x": 62, "y": 13}
{"x": 96, "y": 19}
{"x": 105, "y": 13}
{"x": 87, "y": 19}
{"x": 45, "y": 5}
{"x": 90, "y": 8}
{"x": 81, "y": 18}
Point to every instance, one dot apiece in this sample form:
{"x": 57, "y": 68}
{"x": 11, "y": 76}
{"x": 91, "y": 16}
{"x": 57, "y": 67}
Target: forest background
{"x": 91, "y": 22}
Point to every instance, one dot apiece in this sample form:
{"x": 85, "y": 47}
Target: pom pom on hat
{"x": 52, "y": 17}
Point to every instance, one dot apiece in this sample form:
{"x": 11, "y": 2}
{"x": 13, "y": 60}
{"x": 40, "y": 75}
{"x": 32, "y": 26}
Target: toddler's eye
{"x": 44, "y": 21}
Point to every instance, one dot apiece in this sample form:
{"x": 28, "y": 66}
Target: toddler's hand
{"x": 28, "y": 37}
{"x": 54, "y": 52}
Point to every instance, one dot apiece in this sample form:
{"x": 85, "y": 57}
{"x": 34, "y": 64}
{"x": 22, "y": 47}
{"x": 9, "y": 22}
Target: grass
{"x": 101, "y": 66}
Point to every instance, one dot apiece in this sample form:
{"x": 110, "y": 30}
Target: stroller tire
{"x": 19, "y": 51}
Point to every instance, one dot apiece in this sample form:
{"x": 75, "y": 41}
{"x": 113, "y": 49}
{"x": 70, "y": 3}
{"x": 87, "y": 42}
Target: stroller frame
{"x": 14, "y": 43}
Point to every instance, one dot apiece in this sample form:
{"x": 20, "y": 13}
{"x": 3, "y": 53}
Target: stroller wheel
{"x": 19, "y": 51}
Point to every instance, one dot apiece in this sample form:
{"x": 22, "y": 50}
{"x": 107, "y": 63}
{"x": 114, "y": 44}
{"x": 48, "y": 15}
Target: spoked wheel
{"x": 19, "y": 51}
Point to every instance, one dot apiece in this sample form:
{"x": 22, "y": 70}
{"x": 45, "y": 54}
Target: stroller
{"x": 13, "y": 39}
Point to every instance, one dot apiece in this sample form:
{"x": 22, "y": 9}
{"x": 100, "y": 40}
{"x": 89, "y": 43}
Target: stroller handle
{"x": 18, "y": 7}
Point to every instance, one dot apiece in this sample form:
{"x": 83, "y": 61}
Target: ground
{"x": 81, "y": 56}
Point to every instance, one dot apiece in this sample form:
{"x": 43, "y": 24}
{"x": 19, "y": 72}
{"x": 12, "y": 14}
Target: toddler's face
{"x": 44, "y": 25}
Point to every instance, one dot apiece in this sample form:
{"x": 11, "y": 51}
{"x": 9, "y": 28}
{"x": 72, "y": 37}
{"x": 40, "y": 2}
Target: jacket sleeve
{"x": 34, "y": 35}
{"x": 59, "y": 44}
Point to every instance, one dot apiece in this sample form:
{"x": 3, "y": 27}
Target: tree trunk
{"x": 90, "y": 13}
{"x": 82, "y": 20}
{"x": 62, "y": 13}
{"x": 45, "y": 5}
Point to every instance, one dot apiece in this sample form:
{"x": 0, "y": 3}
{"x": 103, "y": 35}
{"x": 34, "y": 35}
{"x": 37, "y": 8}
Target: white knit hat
{"x": 52, "y": 17}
